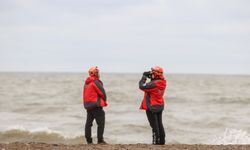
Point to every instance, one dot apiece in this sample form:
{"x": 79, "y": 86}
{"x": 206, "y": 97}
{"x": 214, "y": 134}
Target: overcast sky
{"x": 183, "y": 36}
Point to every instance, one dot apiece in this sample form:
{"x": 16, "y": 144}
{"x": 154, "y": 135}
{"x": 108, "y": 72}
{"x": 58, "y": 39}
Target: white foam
{"x": 44, "y": 129}
{"x": 233, "y": 136}
{"x": 37, "y": 130}
{"x": 17, "y": 127}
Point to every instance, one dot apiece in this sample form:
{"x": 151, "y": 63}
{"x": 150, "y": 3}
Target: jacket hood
{"x": 90, "y": 79}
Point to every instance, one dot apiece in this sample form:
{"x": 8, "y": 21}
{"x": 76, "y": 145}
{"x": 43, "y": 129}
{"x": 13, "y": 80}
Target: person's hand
{"x": 147, "y": 74}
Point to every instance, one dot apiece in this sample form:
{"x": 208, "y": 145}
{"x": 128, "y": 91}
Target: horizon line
{"x": 107, "y": 72}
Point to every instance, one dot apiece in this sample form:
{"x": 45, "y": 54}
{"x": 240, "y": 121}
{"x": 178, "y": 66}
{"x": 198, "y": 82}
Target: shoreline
{"x": 44, "y": 146}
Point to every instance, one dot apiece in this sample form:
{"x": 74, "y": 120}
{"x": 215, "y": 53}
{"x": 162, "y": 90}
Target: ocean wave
{"x": 233, "y": 136}
{"x": 230, "y": 100}
{"x": 44, "y": 135}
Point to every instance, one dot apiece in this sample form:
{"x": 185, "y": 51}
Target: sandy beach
{"x": 44, "y": 146}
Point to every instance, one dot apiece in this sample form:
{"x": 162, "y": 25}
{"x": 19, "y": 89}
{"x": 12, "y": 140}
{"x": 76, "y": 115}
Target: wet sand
{"x": 44, "y": 146}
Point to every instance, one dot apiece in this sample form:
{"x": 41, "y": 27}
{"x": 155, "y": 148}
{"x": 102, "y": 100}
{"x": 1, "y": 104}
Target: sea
{"x": 199, "y": 109}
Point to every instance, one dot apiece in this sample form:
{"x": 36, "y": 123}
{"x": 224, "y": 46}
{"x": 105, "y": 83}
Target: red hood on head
{"x": 90, "y": 79}
{"x": 162, "y": 77}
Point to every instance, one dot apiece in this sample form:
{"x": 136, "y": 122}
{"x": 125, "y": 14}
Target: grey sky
{"x": 183, "y": 36}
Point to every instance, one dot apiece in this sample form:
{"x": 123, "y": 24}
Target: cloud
{"x": 132, "y": 34}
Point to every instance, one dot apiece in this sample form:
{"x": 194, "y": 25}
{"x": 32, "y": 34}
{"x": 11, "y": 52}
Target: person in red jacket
{"x": 94, "y": 99}
{"x": 153, "y": 101}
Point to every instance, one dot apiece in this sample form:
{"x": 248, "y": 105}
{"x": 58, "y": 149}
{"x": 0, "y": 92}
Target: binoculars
{"x": 148, "y": 74}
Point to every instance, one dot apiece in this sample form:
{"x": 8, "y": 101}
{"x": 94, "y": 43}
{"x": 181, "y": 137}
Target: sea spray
{"x": 233, "y": 136}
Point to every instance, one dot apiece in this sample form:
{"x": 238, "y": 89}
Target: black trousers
{"x": 155, "y": 121}
{"x": 99, "y": 115}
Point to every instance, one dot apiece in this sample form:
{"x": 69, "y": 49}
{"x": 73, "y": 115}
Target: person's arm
{"x": 100, "y": 90}
{"x": 147, "y": 87}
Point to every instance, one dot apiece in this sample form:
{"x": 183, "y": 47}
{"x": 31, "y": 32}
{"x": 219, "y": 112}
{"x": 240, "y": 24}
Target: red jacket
{"x": 94, "y": 94}
{"x": 153, "y": 94}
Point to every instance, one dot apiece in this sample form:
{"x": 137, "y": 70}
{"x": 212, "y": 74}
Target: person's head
{"x": 94, "y": 72}
{"x": 157, "y": 72}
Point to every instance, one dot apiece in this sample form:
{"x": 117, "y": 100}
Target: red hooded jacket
{"x": 153, "y": 94}
{"x": 94, "y": 94}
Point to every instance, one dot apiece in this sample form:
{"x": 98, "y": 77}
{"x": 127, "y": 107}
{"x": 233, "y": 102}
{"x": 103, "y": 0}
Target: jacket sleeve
{"x": 100, "y": 90}
{"x": 146, "y": 87}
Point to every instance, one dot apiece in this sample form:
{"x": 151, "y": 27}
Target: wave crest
{"x": 44, "y": 135}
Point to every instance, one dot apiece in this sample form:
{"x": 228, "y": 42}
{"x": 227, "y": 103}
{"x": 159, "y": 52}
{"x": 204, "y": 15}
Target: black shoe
{"x": 157, "y": 141}
{"x": 153, "y": 138}
{"x": 102, "y": 142}
{"x": 162, "y": 142}
{"x": 89, "y": 141}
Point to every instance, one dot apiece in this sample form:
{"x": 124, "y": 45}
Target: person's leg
{"x": 88, "y": 125}
{"x": 150, "y": 118}
{"x": 153, "y": 121}
{"x": 157, "y": 130}
{"x": 161, "y": 128}
{"x": 100, "y": 120}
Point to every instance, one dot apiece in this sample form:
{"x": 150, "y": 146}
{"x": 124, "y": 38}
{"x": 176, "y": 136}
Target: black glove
{"x": 147, "y": 74}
